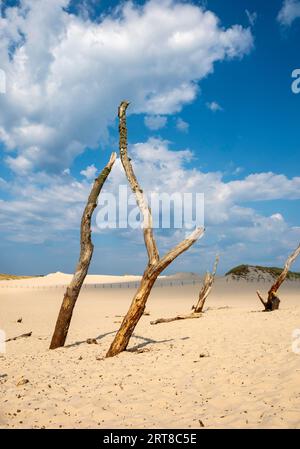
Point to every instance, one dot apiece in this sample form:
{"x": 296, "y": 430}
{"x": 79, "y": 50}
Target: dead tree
{"x": 206, "y": 288}
{"x": 86, "y": 252}
{"x": 273, "y": 301}
{"x": 155, "y": 264}
{"x": 198, "y": 308}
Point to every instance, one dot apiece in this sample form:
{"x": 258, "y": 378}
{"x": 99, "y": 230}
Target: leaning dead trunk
{"x": 86, "y": 252}
{"x": 273, "y": 301}
{"x": 198, "y": 308}
{"x": 206, "y": 288}
{"x": 155, "y": 264}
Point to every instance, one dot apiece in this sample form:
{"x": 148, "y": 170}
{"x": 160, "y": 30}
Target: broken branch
{"x": 28, "y": 334}
{"x": 176, "y": 318}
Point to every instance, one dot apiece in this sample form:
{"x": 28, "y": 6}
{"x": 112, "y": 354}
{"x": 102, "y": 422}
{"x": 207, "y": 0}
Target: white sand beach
{"x": 232, "y": 368}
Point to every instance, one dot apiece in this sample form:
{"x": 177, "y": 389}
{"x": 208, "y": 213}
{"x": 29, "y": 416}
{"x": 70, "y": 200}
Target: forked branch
{"x": 155, "y": 264}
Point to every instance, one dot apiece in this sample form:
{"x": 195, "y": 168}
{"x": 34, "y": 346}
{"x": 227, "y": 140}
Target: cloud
{"x": 214, "y": 106}
{"x": 181, "y": 125}
{"x": 44, "y": 208}
{"x": 264, "y": 187}
{"x": 289, "y": 12}
{"x": 89, "y": 172}
{"x": 235, "y": 171}
{"x": 252, "y": 17}
{"x": 155, "y": 122}
{"x": 47, "y": 207}
{"x": 3, "y": 183}
{"x": 66, "y": 74}
{"x": 19, "y": 164}
{"x": 154, "y": 160}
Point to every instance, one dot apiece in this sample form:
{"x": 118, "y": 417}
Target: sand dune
{"x": 234, "y": 367}
{"x": 59, "y": 278}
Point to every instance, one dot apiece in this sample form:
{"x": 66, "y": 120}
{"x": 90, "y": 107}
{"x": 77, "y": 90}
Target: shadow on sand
{"x": 146, "y": 341}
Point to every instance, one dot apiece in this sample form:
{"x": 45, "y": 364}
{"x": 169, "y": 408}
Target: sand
{"x": 63, "y": 279}
{"x": 233, "y": 368}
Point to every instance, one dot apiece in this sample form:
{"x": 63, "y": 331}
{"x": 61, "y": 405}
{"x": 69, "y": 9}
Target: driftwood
{"x": 155, "y": 264}
{"x": 86, "y": 252}
{"x": 176, "y": 318}
{"x": 273, "y": 301}
{"x": 198, "y": 308}
{"x": 206, "y": 288}
{"x": 28, "y": 334}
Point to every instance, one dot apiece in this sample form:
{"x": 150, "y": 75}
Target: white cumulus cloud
{"x": 289, "y": 12}
{"x": 181, "y": 125}
{"x": 252, "y": 17}
{"x": 214, "y": 106}
{"x": 46, "y": 207}
{"x": 155, "y": 122}
{"x": 66, "y": 74}
{"x": 89, "y": 172}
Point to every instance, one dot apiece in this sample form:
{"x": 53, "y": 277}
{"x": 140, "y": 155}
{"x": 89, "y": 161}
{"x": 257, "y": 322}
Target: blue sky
{"x": 221, "y": 93}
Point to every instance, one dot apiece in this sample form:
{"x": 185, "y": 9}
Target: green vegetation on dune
{"x": 8, "y": 277}
{"x": 244, "y": 270}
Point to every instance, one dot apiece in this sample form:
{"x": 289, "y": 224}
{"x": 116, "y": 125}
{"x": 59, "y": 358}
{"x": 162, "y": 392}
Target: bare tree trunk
{"x": 273, "y": 301}
{"x": 155, "y": 264}
{"x": 86, "y": 252}
{"x": 206, "y": 288}
{"x": 198, "y": 308}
